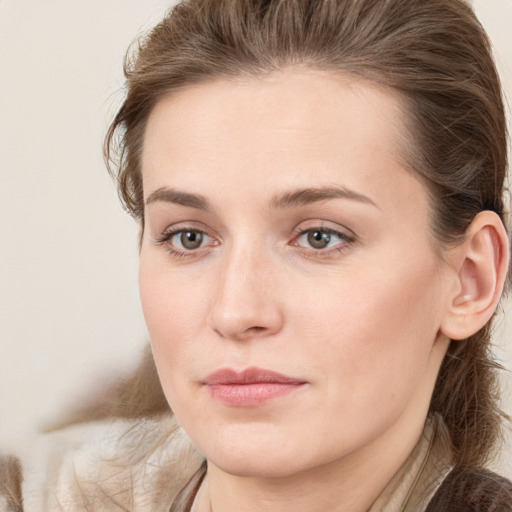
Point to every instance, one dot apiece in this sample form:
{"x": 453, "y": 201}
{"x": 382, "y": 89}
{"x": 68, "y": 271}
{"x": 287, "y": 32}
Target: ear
{"x": 481, "y": 265}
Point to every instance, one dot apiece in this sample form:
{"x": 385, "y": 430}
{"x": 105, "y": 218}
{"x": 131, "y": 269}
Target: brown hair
{"x": 433, "y": 52}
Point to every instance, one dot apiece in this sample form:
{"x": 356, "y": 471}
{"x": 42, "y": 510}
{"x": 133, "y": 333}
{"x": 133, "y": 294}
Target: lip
{"x": 251, "y": 387}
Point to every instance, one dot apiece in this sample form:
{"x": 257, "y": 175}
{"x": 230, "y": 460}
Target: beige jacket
{"x": 142, "y": 466}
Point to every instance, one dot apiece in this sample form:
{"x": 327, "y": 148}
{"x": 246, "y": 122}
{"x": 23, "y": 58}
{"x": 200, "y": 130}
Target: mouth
{"x": 251, "y": 387}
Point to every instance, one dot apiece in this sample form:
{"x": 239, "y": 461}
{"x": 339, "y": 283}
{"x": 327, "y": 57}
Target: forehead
{"x": 290, "y": 128}
{"x": 314, "y": 101}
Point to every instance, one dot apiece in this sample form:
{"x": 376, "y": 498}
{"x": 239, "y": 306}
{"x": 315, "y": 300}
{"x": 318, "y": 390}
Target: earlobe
{"x": 481, "y": 264}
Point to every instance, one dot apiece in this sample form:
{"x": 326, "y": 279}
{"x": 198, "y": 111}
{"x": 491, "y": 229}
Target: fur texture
{"x": 120, "y": 465}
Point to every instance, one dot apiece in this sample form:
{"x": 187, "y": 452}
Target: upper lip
{"x": 249, "y": 376}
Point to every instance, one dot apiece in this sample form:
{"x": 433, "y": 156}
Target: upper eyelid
{"x": 334, "y": 231}
{"x": 321, "y": 226}
{"x": 173, "y": 229}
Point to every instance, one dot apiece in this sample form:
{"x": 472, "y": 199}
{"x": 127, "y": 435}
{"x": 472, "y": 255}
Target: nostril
{"x": 256, "y": 329}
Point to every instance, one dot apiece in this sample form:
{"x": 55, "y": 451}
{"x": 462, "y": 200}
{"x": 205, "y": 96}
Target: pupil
{"x": 191, "y": 239}
{"x": 319, "y": 239}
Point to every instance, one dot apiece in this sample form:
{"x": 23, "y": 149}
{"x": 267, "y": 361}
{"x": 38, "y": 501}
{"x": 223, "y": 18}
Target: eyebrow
{"x": 294, "y": 198}
{"x": 305, "y": 196}
{"x": 169, "y": 195}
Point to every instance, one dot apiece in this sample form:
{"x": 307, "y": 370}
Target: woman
{"x": 319, "y": 189}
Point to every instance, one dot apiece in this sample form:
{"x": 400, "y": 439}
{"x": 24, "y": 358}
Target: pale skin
{"x": 253, "y": 169}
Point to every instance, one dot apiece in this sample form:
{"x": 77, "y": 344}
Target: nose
{"x": 247, "y": 303}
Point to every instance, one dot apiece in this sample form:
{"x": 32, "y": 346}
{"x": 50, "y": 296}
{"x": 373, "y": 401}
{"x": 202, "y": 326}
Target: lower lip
{"x": 251, "y": 395}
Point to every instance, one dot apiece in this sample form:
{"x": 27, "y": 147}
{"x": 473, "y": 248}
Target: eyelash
{"x": 167, "y": 236}
{"x": 345, "y": 240}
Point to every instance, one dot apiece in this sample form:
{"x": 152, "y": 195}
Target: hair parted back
{"x": 433, "y": 52}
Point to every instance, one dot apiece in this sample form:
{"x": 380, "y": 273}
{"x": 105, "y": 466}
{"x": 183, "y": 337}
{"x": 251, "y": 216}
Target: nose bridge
{"x": 245, "y": 304}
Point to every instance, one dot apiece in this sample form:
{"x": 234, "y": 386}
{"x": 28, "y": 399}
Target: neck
{"x": 351, "y": 483}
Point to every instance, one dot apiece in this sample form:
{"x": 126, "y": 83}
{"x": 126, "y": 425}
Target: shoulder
{"x": 109, "y": 465}
{"x": 472, "y": 490}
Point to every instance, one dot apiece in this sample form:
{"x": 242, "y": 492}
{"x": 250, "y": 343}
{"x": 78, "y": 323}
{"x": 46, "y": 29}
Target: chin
{"x": 257, "y": 452}
{"x": 257, "y": 465}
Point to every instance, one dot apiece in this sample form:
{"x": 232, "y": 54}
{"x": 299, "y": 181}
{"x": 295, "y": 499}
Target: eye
{"x": 319, "y": 239}
{"x": 188, "y": 239}
{"x": 186, "y": 242}
{"x": 322, "y": 238}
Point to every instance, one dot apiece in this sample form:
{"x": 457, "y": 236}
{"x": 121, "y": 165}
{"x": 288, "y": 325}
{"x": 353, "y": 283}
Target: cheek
{"x": 373, "y": 331}
{"x": 174, "y": 311}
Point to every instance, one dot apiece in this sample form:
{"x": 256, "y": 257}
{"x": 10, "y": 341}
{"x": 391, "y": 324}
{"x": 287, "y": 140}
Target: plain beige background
{"x": 69, "y": 308}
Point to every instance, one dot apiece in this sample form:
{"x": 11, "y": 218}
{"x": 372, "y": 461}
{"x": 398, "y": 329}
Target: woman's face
{"x": 288, "y": 277}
